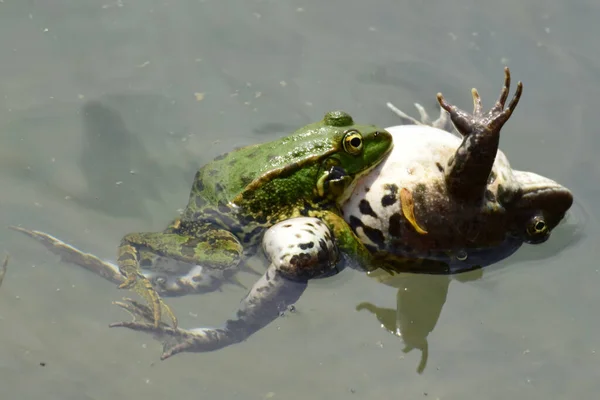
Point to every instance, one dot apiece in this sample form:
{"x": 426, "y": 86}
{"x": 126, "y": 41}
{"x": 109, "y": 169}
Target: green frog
{"x": 239, "y": 195}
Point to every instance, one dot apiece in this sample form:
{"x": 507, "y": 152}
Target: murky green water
{"x": 107, "y": 108}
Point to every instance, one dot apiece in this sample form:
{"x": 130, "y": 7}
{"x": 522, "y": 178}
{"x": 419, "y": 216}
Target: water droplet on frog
{"x": 462, "y": 255}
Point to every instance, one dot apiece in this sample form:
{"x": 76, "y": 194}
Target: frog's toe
{"x": 143, "y": 287}
{"x": 174, "y": 340}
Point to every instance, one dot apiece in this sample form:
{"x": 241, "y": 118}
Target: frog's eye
{"x": 353, "y": 142}
{"x": 537, "y": 230}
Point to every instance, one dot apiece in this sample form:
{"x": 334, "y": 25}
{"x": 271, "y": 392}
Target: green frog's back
{"x": 250, "y": 167}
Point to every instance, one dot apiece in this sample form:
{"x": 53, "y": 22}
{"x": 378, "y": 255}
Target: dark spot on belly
{"x": 391, "y": 197}
{"x": 367, "y": 189}
{"x": 297, "y": 235}
{"x": 365, "y": 208}
{"x": 395, "y": 222}
{"x": 304, "y": 246}
{"x": 309, "y": 231}
{"x": 287, "y": 225}
{"x": 439, "y": 167}
{"x": 355, "y": 223}
{"x": 323, "y": 254}
{"x": 375, "y": 235}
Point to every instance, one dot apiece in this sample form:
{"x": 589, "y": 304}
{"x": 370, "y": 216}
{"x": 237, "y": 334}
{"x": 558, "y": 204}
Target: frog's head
{"x": 353, "y": 150}
{"x": 540, "y": 206}
{"x": 357, "y": 148}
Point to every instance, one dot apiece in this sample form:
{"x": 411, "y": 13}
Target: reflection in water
{"x": 421, "y": 297}
{"x": 419, "y": 303}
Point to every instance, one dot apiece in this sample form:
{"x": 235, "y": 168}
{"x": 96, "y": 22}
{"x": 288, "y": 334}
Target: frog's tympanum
{"x": 453, "y": 204}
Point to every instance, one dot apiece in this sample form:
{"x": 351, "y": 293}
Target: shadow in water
{"x": 117, "y": 169}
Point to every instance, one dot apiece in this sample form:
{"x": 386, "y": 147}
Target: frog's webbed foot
{"x": 174, "y": 340}
{"x": 468, "y": 170}
{"x": 442, "y": 122}
{"x": 143, "y": 287}
{"x": 298, "y": 249}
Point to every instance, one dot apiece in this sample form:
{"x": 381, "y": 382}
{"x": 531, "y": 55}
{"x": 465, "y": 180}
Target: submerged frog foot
{"x": 298, "y": 249}
{"x": 174, "y": 340}
{"x": 143, "y": 287}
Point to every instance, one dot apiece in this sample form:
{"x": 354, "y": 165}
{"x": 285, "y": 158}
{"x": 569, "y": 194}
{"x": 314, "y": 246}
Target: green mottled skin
{"x": 238, "y": 195}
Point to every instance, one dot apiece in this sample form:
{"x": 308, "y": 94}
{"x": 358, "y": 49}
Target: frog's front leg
{"x": 298, "y": 250}
{"x": 210, "y": 248}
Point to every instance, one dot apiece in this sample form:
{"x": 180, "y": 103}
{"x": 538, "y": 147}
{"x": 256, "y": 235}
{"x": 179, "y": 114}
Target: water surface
{"x": 107, "y": 108}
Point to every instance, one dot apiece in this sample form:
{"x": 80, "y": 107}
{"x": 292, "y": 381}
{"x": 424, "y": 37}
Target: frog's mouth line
{"x": 348, "y": 192}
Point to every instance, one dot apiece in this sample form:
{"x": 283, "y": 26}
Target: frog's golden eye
{"x": 537, "y": 230}
{"x": 353, "y": 141}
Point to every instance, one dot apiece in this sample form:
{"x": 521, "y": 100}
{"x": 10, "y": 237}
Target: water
{"x": 108, "y": 108}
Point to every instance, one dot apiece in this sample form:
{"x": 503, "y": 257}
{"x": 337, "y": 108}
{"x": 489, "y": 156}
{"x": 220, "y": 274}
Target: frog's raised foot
{"x": 468, "y": 171}
{"x": 442, "y": 196}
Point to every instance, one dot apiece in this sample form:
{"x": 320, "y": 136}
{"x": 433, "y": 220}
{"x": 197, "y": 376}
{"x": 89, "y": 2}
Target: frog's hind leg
{"x": 68, "y": 253}
{"x": 213, "y": 251}
{"x": 298, "y": 250}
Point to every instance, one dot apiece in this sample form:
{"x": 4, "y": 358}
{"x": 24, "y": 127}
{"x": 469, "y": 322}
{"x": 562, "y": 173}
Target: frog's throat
{"x": 348, "y": 192}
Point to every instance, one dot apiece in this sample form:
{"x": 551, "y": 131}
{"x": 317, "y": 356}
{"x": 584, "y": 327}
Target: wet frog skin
{"x": 239, "y": 195}
{"x": 299, "y": 249}
{"x": 442, "y": 196}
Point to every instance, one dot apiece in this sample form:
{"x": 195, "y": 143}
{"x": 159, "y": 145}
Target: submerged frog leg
{"x": 408, "y": 209}
{"x": 298, "y": 250}
{"x": 134, "y": 280}
{"x": 213, "y": 251}
{"x": 68, "y": 253}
